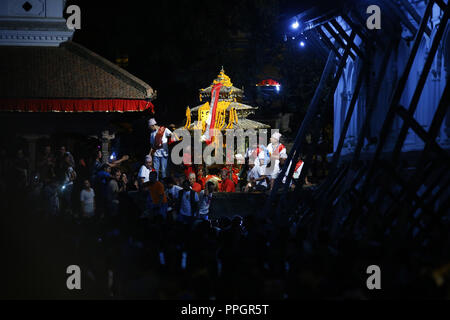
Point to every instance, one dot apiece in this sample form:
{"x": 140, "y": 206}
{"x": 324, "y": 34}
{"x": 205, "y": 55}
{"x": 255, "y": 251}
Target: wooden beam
{"x": 344, "y": 34}
{"x": 414, "y": 14}
{"x": 398, "y": 94}
{"x": 348, "y": 116}
{"x": 372, "y": 103}
{"x": 420, "y": 131}
{"x": 342, "y": 64}
{"x": 338, "y": 39}
{"x": 441, "y": 4}
{"x": 328, "y": 42}
{"x": 316, "y": 131}
{"x": 355, "y": 28}
{"x": 404, "y": 20}
{"x": 312, "y": 110}
{"x": 436, "y": 123}
{"x": 360, "y": 24}
{"x": 421, "y": 83}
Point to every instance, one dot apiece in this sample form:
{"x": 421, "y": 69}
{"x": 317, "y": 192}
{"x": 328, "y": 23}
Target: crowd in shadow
{"x": 131, "y": 255}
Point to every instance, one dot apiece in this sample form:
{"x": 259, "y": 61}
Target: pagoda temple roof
{"x": 244, "y": 124}
{"x": 238, "y": 106}
{"x": 223, "y": 89}
{"x": 35, "y": 77}
{"x": 227, "y": 86}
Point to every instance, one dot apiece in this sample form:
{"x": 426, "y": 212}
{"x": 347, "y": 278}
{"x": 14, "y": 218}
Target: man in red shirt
{"x": 227, "y": 184}
{"x": 200, "y": 177}
{"x": 194, "y": 184}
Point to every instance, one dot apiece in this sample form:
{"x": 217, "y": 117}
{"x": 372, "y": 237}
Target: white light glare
{"x": 302, "y": 43}
{"x": 295, "y": 25}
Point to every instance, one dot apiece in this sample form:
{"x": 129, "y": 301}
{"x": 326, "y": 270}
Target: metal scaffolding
{"x": 376, "y": 197}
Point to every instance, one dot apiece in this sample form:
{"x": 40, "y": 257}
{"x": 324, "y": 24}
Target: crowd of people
{"x": 149, "y": 234}
{"x": 65, "y": 185}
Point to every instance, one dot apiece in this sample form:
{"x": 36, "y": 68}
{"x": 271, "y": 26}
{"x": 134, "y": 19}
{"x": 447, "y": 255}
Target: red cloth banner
{"x": 158, "y": 137}
{"x": 74, "y": 105}
{"x": 214, "y": 99}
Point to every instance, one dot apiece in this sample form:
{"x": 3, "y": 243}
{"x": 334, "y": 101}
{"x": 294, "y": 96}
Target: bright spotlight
{"x": 302, "y": 43}
{"x": 295, "y": 25}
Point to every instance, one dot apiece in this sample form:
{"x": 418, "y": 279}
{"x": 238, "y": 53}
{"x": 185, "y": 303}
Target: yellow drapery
{"x": 188, "y": 118}
{"x": 221, "y": 116}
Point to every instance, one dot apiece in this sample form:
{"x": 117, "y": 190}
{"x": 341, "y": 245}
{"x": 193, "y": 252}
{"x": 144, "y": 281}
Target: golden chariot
{"x": 230, "y": 112}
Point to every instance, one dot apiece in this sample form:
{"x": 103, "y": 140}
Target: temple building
{"x": 51, "y": 86}
{"x": 231, "y": 113}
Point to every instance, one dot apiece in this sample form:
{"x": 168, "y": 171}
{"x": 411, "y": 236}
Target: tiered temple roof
{"x": 234, "y": 113}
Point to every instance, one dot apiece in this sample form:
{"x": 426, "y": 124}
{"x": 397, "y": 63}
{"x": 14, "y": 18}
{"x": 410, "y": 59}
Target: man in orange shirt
{"x": 194, "y": 184}
{"x": 227, "y": 184}
{"x": 157, "y": 194}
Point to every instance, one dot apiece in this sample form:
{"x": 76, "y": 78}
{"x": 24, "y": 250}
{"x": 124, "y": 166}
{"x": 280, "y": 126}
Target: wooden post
{"x": 31, "y": 140}
{"x": 106, "y": 143}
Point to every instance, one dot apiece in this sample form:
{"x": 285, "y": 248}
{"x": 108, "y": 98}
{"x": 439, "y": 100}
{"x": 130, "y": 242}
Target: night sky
{"x": 179, "y": 47}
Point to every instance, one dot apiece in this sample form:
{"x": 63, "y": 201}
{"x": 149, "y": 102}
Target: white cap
{"x": 148, "y": 158}
{"x": 152, "y": 122}
{"x": 276, "y": 136}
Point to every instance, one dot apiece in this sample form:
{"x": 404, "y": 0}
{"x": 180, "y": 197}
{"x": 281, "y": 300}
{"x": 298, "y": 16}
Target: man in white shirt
{"x": 87, "y": 200}
{"x": 275, "y": 147}
{"x": 296, "y": 174}
{"x": 144, "y": 171}
{"x": 257, "y": 179}
{"x": 205, "y": 200}
{"x": 276, "y": 150}
{"x": 172, "y": 189}
{"x": 159, "y": 138}
{"x": 260, "y": 152}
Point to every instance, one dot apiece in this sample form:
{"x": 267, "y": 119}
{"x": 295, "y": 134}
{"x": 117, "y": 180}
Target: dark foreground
{"x": 127, "y": 257}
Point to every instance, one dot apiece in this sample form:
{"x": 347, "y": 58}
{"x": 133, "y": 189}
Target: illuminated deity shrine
{"x": 222, "y": 110}
{"x": 229, "y": 112}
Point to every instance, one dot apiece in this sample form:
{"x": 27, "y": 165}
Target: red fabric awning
{"x": 268, "y": 82}
{"x": 74, "y": 105}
